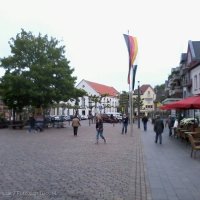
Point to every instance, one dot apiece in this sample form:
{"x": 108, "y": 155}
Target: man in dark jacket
{"x": 145, "y": 120}
{"x": 124, "y": 124}
{"x": 158, "y": 128}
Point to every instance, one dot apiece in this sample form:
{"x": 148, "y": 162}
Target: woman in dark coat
{"x": 158, "y": 128}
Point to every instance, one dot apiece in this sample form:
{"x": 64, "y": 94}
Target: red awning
{"x": 187, "y": 103}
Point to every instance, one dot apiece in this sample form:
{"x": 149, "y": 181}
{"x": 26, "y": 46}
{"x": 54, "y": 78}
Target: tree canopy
{"x": 160, "y": 92}
{"x": 36, "y": 73}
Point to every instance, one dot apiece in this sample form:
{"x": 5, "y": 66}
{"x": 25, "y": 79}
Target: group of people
{"x": 171, "y": 122}
{"x": 99, "y": 126}
{"x": 158, "y": 126}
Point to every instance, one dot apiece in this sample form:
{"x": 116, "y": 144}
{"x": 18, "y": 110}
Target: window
{"x": 199, "y": 80}
{"x": 149, "y": 106}
{"x": 195, "y": 82}
{"x": 83, "y": 102}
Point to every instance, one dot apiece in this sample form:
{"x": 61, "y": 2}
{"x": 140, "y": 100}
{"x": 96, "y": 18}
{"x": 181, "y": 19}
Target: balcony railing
{"x": 187, "y": 83}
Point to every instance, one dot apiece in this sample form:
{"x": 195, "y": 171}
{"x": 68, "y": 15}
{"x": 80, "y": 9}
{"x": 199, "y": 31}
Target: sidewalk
{"x": 172, "y": 173}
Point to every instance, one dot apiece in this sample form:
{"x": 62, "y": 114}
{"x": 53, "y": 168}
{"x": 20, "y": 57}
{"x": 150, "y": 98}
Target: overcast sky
{"x": 92, "y": 31}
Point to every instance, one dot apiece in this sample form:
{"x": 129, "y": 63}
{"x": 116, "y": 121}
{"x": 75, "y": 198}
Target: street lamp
{"x": 138, "y": 104}
{"x": 90, "y": 109}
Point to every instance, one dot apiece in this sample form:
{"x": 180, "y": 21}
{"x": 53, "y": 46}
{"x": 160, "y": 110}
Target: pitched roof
{"x": 143, "y": 88}
{"x": 183, "y": 58}
{"x": 103, "y": 89}
{"x": 195, "y": 49}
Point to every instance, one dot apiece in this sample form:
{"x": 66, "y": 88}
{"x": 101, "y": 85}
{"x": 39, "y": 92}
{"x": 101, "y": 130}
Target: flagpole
{"x": 131, "y": 111}
{"x": 138, "y": 104}
{"x": 130, "y": 106}
{"x": 131, "y": 43}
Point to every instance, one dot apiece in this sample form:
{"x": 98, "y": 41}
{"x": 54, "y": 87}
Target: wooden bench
{"x": 195, "y": 142}
{"x": 16, "y": 124}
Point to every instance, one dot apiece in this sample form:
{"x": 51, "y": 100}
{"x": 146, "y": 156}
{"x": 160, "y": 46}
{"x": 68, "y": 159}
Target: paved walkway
{"x": 55, "y": 165}
{"x": 172, "y": 173}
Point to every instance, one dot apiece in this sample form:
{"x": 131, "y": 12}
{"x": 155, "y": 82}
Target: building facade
{"x": 100, "y": 99}
{"x": 187, "y": 76}
{"x": 148, "y": 97}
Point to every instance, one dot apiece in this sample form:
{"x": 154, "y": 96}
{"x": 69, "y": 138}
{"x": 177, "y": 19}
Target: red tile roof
{"x": 103, "y": 89}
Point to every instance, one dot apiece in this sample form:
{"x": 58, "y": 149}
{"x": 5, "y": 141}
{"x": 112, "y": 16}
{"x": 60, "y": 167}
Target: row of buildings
{"x": 108, "y": 103}
{"x": 184, "y": 80}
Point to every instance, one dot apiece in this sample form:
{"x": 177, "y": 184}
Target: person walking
{"x": 171, "y": 121}
{"x": 158, "y": 129}
{"x": 112, "y": 119}
{"x": 99, "y": 129}
{"x": 31, "y": 123}
{"x": 124, "y": 124}
{"x": 145, "y": 120}
{"x": 176, "y": 124}
{"x": 75, "y": 124}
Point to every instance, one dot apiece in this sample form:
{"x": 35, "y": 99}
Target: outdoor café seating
{"x": 195, "y": 143}
{"x": 187, "y": 125}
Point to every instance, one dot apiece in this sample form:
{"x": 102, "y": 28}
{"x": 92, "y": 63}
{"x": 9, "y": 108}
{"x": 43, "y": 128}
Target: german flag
{"x": 132, "y": 46}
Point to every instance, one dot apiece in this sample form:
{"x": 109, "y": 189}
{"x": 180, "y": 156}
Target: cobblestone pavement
{"x": 55, "y": 165}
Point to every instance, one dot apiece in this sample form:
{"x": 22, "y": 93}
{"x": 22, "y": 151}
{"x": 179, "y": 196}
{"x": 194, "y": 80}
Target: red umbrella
{"x": 187, "y": 103}
{"x": 164, "y": 107}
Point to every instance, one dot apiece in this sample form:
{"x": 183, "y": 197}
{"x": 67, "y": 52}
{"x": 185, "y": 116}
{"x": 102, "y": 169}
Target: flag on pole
{"x": 134, "y": 74}
{"x": 132, "y": 46}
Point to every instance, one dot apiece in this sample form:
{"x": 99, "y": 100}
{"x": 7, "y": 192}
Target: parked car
{"x": 83, "y": 117}
{"x": 108, "y": 119}
{"x": 116, "y": 115}
{"x": 67, "y": 118}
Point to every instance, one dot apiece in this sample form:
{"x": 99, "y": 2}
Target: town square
{"x": 99, "y": 100}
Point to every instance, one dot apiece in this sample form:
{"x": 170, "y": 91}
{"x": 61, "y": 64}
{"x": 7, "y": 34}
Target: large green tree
{"x": 124, "y": 102}
{"x": 36, "y": 73}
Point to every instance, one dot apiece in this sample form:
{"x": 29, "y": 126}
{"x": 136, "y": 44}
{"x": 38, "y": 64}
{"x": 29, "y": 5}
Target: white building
{"x": 106, "y": 95}
{"x": 148, "y": 95}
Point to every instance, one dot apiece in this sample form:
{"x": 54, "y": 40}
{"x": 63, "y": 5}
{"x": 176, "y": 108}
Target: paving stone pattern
{"x": 55, "y": 165}
{"x": 172, "y": 173}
